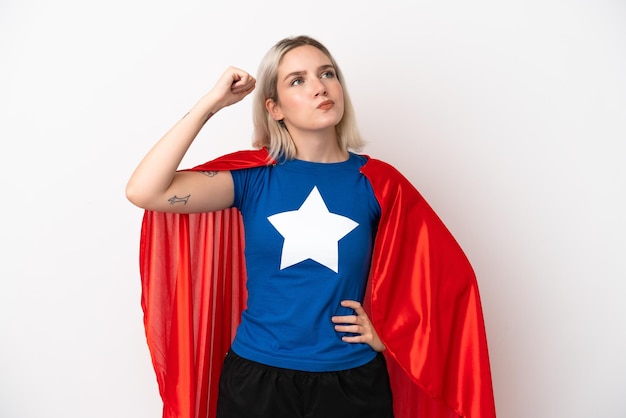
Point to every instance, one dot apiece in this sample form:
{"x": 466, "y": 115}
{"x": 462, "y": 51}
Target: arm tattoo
{"x": 209, "y": 173}
{"x": 175, "y": 199}
{"x": 209, "y": 116}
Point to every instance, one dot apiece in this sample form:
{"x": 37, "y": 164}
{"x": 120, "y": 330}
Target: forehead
{"x": 302, "y": 58}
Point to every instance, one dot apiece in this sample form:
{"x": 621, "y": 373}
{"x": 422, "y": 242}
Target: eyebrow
{"x": 299, "y": 73}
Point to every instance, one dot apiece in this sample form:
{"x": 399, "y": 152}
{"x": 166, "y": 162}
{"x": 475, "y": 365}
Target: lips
{"x": 326, "y": 104}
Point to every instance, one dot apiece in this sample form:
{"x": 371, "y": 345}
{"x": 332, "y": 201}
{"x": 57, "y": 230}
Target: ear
{"x": 273, "y": 109}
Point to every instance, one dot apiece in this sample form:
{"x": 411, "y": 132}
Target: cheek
{"x": 339, "y": 95}
{"x": 292, "y": 102}
{"x": 338, "y": 92}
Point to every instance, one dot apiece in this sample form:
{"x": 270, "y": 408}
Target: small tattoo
{"x": 175, "y": 199}
{"x": 209, "y": 173}
{"x": 209, "y": 117}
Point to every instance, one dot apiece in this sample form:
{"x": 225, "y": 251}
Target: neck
{"x": 319, "y": 149}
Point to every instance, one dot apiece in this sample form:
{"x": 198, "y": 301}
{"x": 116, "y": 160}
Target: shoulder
{"x": 238, "y": 160}
{"x": 391, "y": 187}
{"x": 375, "y": 167}
{"x": 384, "y": 176}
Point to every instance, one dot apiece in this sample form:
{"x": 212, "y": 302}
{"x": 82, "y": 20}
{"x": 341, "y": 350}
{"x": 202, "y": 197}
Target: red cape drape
{"x": 423, "y": 300}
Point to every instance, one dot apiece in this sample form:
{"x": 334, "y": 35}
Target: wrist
{"x": 204, "y": 109}
{"x": 209, "y": 104}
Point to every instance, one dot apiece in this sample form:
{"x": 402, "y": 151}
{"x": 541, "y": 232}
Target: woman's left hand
{"x": 358, "y": 324}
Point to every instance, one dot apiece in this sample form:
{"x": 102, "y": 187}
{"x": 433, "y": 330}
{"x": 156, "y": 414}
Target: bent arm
{"x": 157, "y": 185}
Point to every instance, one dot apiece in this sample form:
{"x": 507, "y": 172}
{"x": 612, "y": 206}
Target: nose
{"x": 320, "y": 89}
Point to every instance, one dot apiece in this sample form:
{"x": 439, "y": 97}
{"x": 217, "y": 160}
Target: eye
{"x": 296, "y": 81}
{"x": 328, "y": 74}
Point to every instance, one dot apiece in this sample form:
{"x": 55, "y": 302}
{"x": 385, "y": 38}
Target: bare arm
{"x": 156, "y": 185}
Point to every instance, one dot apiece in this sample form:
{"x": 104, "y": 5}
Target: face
{"x": 310, "y": 98}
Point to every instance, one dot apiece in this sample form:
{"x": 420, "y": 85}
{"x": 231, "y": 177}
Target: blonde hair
{"x": 273, "y": 134}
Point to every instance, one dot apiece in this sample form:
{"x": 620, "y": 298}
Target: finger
{"x": 353, "y": 339}
{"x": 234, "y": 78}
{"x": 353, "y": 304}
{"x": 347, "y": 319}
{"x": 243, "y": 88}
{"x": 245, "y": 82}
{"x": 353, "y": 329}
{"x": 358, "y": 309}
{"x": 240, "y": 76}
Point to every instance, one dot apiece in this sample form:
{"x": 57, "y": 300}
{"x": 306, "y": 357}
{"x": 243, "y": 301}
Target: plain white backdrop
{"x": 508, "y": 116}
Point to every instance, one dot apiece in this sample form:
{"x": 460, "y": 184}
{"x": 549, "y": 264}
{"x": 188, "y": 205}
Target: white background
{"x": 509, "y": 116}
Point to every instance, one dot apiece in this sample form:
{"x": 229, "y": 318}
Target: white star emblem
{"x": 311, "y": 232}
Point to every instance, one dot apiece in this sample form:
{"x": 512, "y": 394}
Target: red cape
{"x": 422, "y": 299}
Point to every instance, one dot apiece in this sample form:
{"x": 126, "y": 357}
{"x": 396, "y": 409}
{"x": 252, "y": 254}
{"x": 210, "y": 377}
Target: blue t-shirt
{"x": 309, "y": 231}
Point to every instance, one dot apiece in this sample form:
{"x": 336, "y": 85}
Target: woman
{"x": 311, "y": 209}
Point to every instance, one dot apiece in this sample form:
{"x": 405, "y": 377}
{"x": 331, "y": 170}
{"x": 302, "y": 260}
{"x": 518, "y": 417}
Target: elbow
{"x": 134, "y": 196}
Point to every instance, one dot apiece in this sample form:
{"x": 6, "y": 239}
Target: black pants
{"x": 253, "y": 390}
